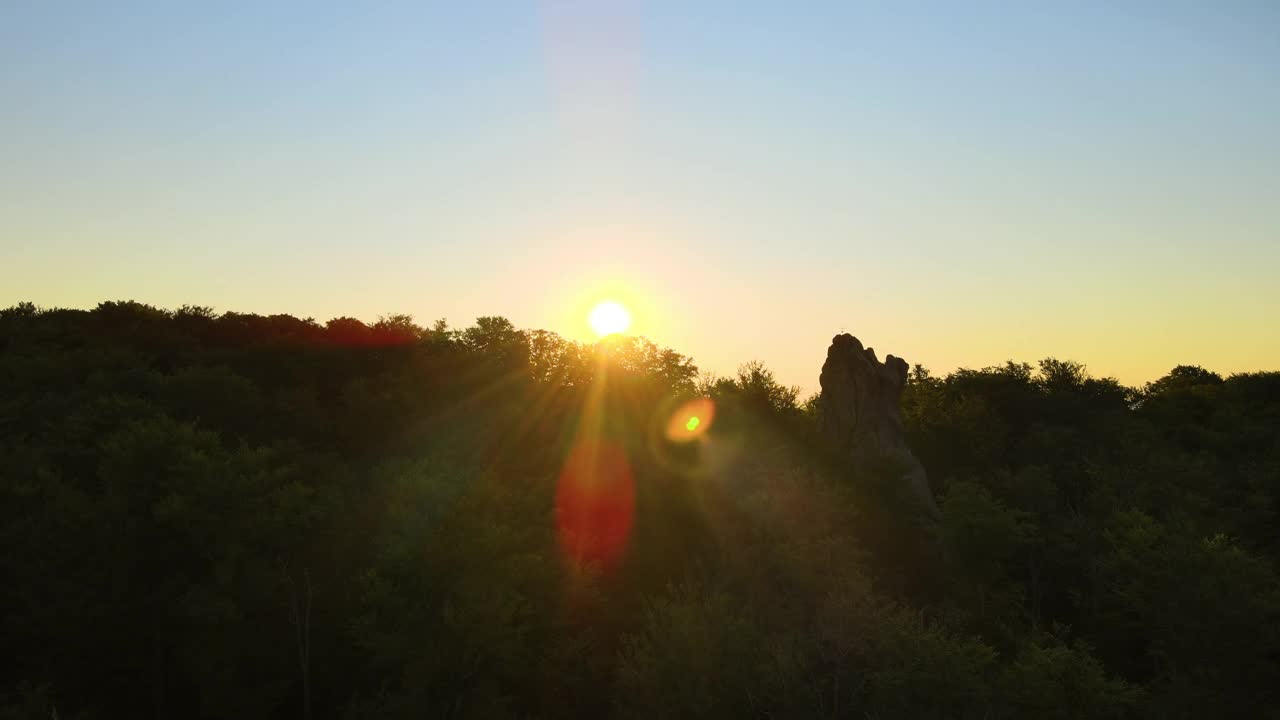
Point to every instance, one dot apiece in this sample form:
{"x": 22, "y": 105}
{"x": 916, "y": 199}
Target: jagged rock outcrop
{"x": 860, "y": 412}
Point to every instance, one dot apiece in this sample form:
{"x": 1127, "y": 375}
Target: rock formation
{"x": 860, "y": 412}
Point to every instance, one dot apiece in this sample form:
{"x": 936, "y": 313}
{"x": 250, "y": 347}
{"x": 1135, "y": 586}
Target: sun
{"x": 608, "y": 318}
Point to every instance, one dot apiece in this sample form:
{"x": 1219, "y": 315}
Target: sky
{"x": 958, "y": 184}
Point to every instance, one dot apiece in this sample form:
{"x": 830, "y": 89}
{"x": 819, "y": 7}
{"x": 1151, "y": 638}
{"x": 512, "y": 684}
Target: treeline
{"x": 209, "y": 516}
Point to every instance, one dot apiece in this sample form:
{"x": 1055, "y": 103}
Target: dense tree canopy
{"x": 210, "y": 515}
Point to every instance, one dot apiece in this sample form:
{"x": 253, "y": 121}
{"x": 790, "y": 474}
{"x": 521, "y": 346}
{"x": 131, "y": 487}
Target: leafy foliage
{"x": 231, "y": 515}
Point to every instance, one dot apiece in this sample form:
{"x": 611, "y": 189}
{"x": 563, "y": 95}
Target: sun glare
{"x": 609, "y": 318}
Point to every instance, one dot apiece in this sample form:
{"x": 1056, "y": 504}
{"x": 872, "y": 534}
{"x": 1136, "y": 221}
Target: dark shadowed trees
{"x": 234, "y": 515}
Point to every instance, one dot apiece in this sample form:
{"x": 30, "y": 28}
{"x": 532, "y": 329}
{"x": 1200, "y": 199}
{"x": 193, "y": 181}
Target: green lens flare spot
{"x": 692, "y": 424}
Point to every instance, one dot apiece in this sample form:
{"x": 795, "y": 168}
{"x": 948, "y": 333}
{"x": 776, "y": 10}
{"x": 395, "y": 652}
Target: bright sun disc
{"x": 608, "y": 318}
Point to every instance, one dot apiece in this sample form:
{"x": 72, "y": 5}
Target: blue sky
{"x": 957, "y": 183}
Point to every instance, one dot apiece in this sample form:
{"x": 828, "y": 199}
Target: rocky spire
{"x": 860, "y": 412}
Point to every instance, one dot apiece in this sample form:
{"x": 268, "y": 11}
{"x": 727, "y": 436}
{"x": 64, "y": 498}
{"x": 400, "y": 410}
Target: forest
{"x": 226, "y": 515}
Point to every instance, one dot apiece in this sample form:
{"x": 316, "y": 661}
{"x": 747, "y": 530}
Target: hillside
{"x": 212, "y": 515}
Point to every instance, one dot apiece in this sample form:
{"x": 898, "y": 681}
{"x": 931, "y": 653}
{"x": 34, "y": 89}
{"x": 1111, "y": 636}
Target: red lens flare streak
{"x": 595, "y": 504}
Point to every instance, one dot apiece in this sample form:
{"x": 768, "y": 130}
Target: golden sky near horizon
{"x": 958, "y": 187}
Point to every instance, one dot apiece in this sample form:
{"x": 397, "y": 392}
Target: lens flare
{"x": 681, "y": 440}
{"x": 595, "y": 504}
{"x": 691, "y": 420}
